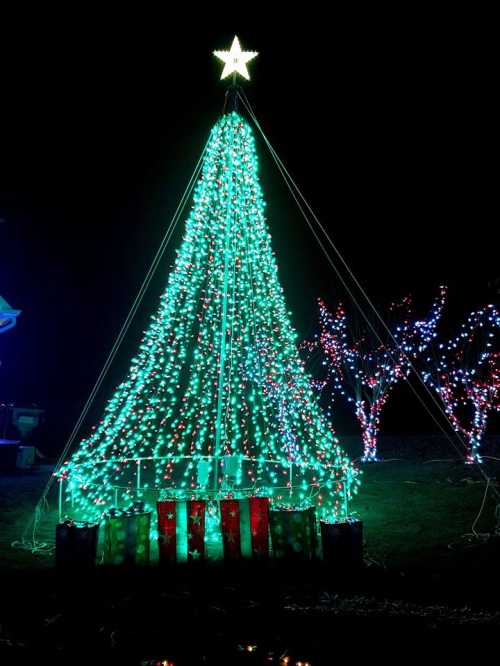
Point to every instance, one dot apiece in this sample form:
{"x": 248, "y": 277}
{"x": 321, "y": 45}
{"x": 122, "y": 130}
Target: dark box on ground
{"x": 8, "y": 455}
{"x": 342, "y": 543}
{"x": 76, "y": 545}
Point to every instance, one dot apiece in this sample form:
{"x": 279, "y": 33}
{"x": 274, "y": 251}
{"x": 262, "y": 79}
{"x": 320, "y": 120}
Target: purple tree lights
{"x": 465, "y": 374}
{"x": 365, "y": 367}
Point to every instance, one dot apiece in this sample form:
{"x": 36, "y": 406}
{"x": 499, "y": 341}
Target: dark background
{"x": 387, "y": 123}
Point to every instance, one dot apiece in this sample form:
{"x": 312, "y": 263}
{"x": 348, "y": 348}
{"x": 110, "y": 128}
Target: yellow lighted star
{"x": 235, "y": 60}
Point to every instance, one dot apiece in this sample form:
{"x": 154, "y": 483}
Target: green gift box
{"x": 126, "y": 538}
{"x": 293, "y": 533}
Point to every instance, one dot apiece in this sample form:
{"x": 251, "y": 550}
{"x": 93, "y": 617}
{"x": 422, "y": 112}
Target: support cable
{"x": 41, "y": 504}
{"x": 296, "y": 194}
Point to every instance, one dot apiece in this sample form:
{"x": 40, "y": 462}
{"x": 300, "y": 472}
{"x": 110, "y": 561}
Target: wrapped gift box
{"x": 293, "y": 533}
{"x": 181, "y": 530}
{"x": 8, "y": 455}
{"x": 245, "y": 527}
{"x": 342, "y": 543}
{"x": 126, "y": 539}
{"x": 76, "y": 544}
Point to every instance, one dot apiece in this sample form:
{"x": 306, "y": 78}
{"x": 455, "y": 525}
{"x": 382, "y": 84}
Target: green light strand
{"x": 217, "y": 372}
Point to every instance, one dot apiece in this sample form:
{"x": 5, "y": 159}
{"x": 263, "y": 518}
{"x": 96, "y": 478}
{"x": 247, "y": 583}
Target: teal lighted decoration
{"x": 217, "y": 402}
{"x": 8, "y": 316}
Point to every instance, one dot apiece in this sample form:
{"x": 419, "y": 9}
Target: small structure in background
{"x": 18, "y": 431}
{"x": 14, "y": 455}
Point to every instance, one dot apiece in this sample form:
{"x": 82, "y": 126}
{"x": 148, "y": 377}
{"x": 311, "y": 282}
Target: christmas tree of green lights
{"x": 217, "y": 400}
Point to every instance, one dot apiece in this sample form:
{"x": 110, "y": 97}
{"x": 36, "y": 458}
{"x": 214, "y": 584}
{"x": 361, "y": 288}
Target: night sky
{"x": 390, "y": 133}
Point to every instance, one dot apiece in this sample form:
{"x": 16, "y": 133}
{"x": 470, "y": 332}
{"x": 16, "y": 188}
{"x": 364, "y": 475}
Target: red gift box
{"x": 245, "y": 527}
{"x": 181, "y": 530}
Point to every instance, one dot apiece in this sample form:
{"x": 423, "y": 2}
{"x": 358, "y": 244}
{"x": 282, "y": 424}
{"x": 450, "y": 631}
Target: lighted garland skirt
{"x": 295, "y": 485}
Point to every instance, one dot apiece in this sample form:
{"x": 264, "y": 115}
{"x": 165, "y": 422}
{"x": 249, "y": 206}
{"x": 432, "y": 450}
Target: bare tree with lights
{"x": 465, "y": 373}
{"x": 364, "y": 366}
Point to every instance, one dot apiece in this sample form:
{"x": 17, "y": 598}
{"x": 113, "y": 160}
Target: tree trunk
{"x": 369, "y": 421}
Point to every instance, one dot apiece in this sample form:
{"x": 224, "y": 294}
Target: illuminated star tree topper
{"x": 235, "y": 60}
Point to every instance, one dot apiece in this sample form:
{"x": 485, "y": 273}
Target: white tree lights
{"x": 365, "y": 368}
{"x": 465, "y": 373}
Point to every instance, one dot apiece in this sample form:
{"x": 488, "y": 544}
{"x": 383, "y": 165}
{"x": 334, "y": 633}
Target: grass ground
{"x": 423, "y": 571}
{"x": 415, "y": 513}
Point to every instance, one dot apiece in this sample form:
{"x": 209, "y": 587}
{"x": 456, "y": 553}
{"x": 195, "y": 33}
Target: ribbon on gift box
{"x": 245, "y": 527}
